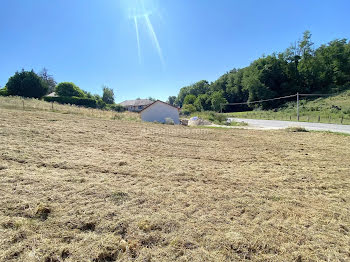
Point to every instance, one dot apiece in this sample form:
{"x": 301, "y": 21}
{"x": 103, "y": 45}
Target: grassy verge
{"x": 330, "y": 132}
{"x": 333, "y": 109}
{"x": 217, "y": 118}
{"x": 289, "y": 115}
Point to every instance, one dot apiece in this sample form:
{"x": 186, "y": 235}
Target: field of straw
{"x": 78, "y": 188}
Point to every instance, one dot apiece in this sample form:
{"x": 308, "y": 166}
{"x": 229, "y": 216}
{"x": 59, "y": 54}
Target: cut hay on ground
{"x": 84, "y": 189}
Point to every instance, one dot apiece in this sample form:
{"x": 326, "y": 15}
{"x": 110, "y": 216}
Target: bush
{"x": 100, "y": 104}
{"x": 69, "y": 90}
{"x": 4, "y": 92}
{"x": 169, "y": 121}
{"x": 26, "y": 84}
{"x": 296, "y": 129}
{"x": 216, "y": 117}
{"x": 79, "y": 101}
{"x": 117, "y": 108}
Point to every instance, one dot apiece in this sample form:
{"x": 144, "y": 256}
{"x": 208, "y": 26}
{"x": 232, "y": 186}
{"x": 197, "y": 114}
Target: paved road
{"x": 276, "y": 124}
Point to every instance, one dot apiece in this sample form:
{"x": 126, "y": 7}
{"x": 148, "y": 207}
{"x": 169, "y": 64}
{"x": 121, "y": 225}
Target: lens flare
{"x": 140, "y": 12}
{"x": 154, "y": 38}
{"x": 138, "y": 39}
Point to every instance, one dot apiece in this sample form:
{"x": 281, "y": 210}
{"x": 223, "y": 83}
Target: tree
{"x": 202, "y": 102}
{"x": 217, "y": 99}
{"x": 69, "y": 89}
{"x": 189, "y": 99}
{"x": 171, "y": 100}
{"x": 188, "y": 109}
{"x": 301, "y": 68}
{"x": 48, "y": 79}
{"x": 196, "y": 89}
{"x": 108, "y": 95}
{"x": 152, "y": 98}
{"x": 26, "y": 84}
{"x": 305, "y": 45}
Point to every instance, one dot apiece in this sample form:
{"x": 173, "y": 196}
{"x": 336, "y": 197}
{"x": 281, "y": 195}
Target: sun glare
{"x": 140, "y": 12}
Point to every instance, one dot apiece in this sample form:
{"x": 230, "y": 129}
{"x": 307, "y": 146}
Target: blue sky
{"x": 94, "y": 42}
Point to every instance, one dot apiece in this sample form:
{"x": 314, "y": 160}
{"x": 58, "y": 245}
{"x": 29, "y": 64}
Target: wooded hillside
{"x": 300, "y": 68}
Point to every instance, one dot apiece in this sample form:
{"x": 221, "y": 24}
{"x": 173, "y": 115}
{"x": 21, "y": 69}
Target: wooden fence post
{"x": 319, "y": 119}
{"x": 298, "y": 106}
{"x": 341, "y": 121}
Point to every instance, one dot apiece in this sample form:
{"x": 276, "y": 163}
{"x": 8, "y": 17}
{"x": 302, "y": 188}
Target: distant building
{"x": 53, "y": 94}
{"x": 136, "y": 105}
{"x": 159, "y": 111}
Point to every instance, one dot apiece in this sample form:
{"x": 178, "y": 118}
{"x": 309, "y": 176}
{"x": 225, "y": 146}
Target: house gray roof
{"x": 137, "y": 102}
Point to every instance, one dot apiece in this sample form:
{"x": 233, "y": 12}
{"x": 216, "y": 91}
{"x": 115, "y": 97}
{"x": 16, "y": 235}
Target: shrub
{"x": 169, "y": 121}
{"x": 26, "y": 84}
{"x": 100, "y": 104}
{"x": 216, "y": 117}
{"x": 69, "y": 89}
{"x": 79, "y": 101}
{"x": 235, "y": 123}
{"x": 296, "y": 129}
{"x": 117, "y": 108}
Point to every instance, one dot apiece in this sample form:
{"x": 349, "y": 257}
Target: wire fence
{"x": 304, "y": 117}
{"x": 295, "y": 112}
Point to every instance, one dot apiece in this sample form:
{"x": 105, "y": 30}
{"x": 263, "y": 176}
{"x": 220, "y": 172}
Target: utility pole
{"x": 298, "y": 106}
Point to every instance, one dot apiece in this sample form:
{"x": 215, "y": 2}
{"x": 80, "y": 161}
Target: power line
{"x": 259, "y": 101}
{"x": 316, "y": 94}
{"x": 297, "y": 95}
{"x": 272, "y": 99}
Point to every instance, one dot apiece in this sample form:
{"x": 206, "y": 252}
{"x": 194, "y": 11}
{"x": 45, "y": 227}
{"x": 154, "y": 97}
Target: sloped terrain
{"x": 82, "y": 189}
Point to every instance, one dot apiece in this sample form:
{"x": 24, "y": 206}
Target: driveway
{"x": 276, "y": 124}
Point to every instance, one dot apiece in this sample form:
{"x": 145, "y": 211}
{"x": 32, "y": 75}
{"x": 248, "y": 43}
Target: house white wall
{"x": 158, "y": 111}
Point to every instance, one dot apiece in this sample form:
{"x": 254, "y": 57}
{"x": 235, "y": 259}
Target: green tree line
{"x": 300, "y": 68}
{"x": 31, "y": 84}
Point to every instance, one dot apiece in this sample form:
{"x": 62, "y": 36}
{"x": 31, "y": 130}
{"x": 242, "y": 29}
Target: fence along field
{"x": 31, "y": 104}
{"x": 315, "y": 108}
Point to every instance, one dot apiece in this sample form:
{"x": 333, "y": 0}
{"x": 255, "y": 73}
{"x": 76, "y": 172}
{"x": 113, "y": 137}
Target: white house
{"x": 159, "y": 111}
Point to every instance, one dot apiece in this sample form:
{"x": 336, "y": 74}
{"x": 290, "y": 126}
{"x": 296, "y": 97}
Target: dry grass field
{"x": 74, "y": 188}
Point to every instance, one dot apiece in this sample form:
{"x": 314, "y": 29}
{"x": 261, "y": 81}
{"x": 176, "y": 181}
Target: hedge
{"x": 79, "y": 101}
{"x": 116, "y": 107}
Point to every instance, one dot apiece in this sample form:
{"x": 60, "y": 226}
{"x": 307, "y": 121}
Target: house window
{"x": 140, "y": 107}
